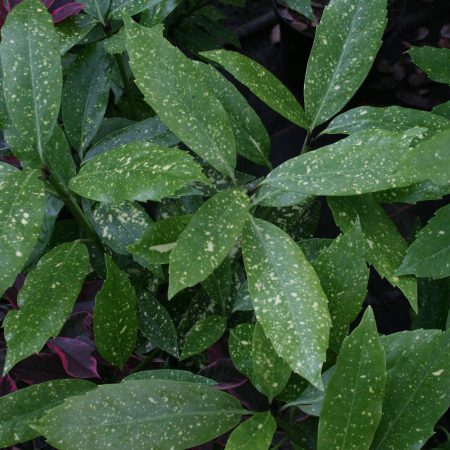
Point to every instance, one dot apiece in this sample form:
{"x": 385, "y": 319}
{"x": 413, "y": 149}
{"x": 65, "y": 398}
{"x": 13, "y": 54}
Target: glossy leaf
{"x": 22, "y": 200}
{"x": 417, "y": 393}
{"x": 170, "y": 374}
{"x": 385, "y": 247}
{"x": 31, "y": 72}
{"x": 97, "y": 9}
{"x": 250, "y": 135}
{"x": 344, "y": 276}
{"x": 364, "y": 162}
{"x": 152, "y": 414}
{"x": 137, "y": 171}
{"x": 351, "y": 408}
{"x": 73, "y": 30}
{"x": 270, "y": 371}
{"x": 156, "y": 324}
{"x": 288, "y": 299}
{"x": 243, "y": 302}
{"x": 115, "y": 323}
{"x": 119, "y": 8}
{"x": 170, "y": 83}
{"x": 218, "y": 285}
{"x": 85, "y": 95}
{"x": 203, "y": 335}
{"x": 345, "y": 45}
{"x": 429, "y": 254}
{"x": 159, "y": 239}
{"x": 443, "y": 110}
{"x": 261, "y": 82}
{"x": 45, "y": 301}
{"x": 255, "y": 433}
{"x": 240, "y": 345}
{"x": 303, "y": 7}
{"x": 435, "y": 62}
{"x": 19, "y": 409}
{"x": 208, "y": 239}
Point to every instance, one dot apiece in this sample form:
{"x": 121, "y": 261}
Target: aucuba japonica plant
{"x": 124, "y": 185}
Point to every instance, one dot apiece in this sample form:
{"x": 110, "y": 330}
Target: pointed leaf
{"x": 261, "y": 82}
{"x": 288, "y": 299}
{"x": 22, "y": 202}
{"x": 346, "y": 43}
{"x": 19, "y": 409}
{"x": 45, "y": 301}
{"x": 443, "y": 110}
{"x": 435, "y": 62}
{"x": 97, "y": 9}
{"x": 351, "y": 408}
{"x": 159, "y": 414}
{"x": 115, "y": 323}
{"x": 170, "y": 374}
{"x": 207, "y": 239}
{"x": 73, "y": 30}
{"x": 218, "y": 285}
{"x": 255, "y": 433}
{"x": 137, "y": 171}
{"x": 240, "y": 348}
{"x": 170, "y": 84}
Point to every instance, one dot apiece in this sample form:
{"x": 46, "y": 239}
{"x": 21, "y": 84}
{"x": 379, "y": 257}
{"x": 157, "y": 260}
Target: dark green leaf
{"x": 45, "y": 301}
{"x": 413, "y": 194}
{"x": 115, "y": 323}
{"x": 240, "y": 348}
{"x": 443, "y": 110}
{"x": 218, "y": 285}
{"x": 73, "y": 30}
{"x": 130, "y": 7}
{"x": 158, "y": 13}
{"x": 97, "y": 9}
{"x": 303, "y": 7}
{"x": 435, "y": 62}
{"x": 313, "y": 247}
{"x": 170, "y": 374}
{"x": 243, "y": 302}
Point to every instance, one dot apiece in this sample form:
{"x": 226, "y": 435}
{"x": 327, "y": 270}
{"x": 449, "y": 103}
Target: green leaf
{"x": 385, "y": 247}
{"x": 270, "y": 371}
{"x": 151, "y": 130}
{"x": 344, "y": 276}
{"x": 415, "y": 193}
{"x": 303, "y": 7}
{"x": 243, "y": 301}
{"x": 31, "y": 72}
{"x": 20, "y": 408}
{"x": 364, "y": 162}
{"x": 85, "y": 95}
{"x": 351, "y": 408}
{"x": 429, "y": 254}
{"x": 158, "y": 13}
{"x": 115, "y": 323}
{"x": 203, "y": 335}
{"x": 72, "y": 30}
{"x": 22, "y": 201}
{"x": 159, "y": 414}
{"x": 435, "y": 62}
{"x": 443, "y": 110}
{"x": 288, "y": 299}
{"x": 45, "y": 301}
{"x": 208, "y": 239}
{"x": 391, "y": 118}
{"x": 170, "y": 83}
{"x": 261, "y": 82}
{"x": 218, "y": 285}
{"x": 97, "y": 9}
{"x": 346, "y": 43}
{"x": 255, "y": 433}
{"x": 130, "y": 7}
{"x": 120, "y": 224}
{"x": 417, "y": 393}
{"x": 137, "y": 171}
{"x": 159, "y": 239}
{"x": 240, "y": 348}
{"x": 170, "y": 374}
{"x": 250, "y": 135}
{"x": 156, "y": 324}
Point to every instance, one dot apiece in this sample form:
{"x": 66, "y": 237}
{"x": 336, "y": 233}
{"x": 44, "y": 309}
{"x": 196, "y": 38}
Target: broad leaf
{"x": 159, "y": 239}
{"x": 22, "y": 201}
{"x": 429, "y": 254}
{"x": 240, "y": 345}
{"x": 351, "y": 408}
{"x": 443, "y": 110}
{"x": 158, "y": 13}
{"x": 218, "y": 285}
{"x": 243, "y": 301}
{"x": 137, "y": 171}
{"x": 156, "y": 324}
{"x": 250, "y": 135}
{"x": 435, "y": 62}
{"x": 19, "y": 409}
{"x": 73, "y": 30}
{"x": 97, "y": 9}
{"x": 208, "y": 239}
{"x": 417, "y": 393}
{"x": 85, "y": 95}
{"x": 170, "y": 374}
{"x": 364, "y": 162}
{"x": 255, "y": 433}
{"x": 346, "y": 43}
{"x": 391, "y": 118}
{"x": 385, "y": 247}
{"x": 261, "y": 82}
{"x": 288, "y": 299}
{"x": 203, "y": 335}
{"x": 344, "y": 276}
{"x": 303, "y": 7}
{"x": 119, "y": 8}
{"x": 159, "y": 414}
{"x": 115, "y": 323}
{"x": 270, "y": 371}
{"x": 170, "y": 83}
{"x": 45, "y": 301}
{"x": 32, "y": 75}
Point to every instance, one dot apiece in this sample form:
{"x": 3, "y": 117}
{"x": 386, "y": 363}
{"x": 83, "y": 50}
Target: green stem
{"x": 305, "y": 143}
{"x": 150, "y": 357}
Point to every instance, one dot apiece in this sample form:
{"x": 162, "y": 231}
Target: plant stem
{"x": 146, "y": 360}
{"x": 305, "y": 143}
{"x": 126, "y": 81}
